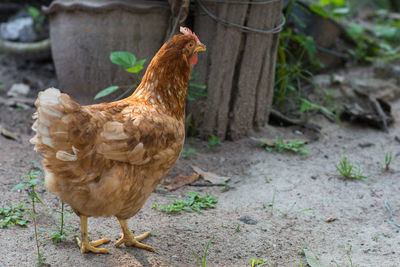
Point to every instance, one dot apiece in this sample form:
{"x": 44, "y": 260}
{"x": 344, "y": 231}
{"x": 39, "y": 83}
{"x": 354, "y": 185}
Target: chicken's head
{"x": 192, "y": 46}
{"x": 183, "y": 47}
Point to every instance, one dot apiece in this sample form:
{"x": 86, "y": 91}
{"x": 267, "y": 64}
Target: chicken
{"x": 106, "y": 159}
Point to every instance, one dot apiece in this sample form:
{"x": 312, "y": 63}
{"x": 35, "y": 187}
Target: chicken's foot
{"x": 129, "y": 240}
{"x": 87, "y": 246}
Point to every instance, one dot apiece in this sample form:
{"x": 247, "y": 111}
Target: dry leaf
{"x": 267, "y": 141}
{"x": 211, "y": 177}
{"x": 8, "y": 134}
{"x": 179, "y": 181}
{"x": 330, "y": 219}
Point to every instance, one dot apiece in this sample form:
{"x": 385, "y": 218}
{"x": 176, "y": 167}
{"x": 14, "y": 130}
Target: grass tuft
{"x": 194, "y": 201}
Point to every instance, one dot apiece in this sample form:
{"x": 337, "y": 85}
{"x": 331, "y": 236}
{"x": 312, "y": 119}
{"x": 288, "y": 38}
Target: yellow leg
{"x": 129, "y": 240}
{"x": 84, "y": 243}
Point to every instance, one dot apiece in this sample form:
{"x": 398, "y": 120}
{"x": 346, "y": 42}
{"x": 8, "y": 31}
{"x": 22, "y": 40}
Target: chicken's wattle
{"x": 193, "y": 59}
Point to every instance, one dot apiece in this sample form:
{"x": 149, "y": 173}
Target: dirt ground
{"x": 289, "y": 195}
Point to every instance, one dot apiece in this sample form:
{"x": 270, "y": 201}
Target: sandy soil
{"x": 289, "y": 196}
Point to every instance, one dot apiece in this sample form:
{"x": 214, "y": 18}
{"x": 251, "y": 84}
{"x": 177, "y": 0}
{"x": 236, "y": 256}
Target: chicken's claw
{"x": 86, "y": 246}
{"x": 129, "y": 240}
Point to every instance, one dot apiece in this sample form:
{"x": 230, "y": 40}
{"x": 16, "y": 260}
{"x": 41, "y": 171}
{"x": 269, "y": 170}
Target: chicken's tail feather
{"x": 51, "y": 120}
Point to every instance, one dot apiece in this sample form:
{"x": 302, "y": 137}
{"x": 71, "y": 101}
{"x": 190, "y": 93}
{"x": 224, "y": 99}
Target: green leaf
{"x": 140, "y": 62}
{"x": 33, "y": 12}
{"x": 341, "y": 11}
{"x": 196, "y": 85}
{"x": 298, "y": 20}
{"x": 33, "y": 182}
{"x": 134, "y": 69}
{"x": 106, "y": 92}
{"x": 324, "y": 2}
{"x": 18, "y": 186}
{"x": 354, "y": 30}
{"x": 338, "y": 2}
{"x": 386, "y": 31}
{"x": 125, "y": 59}
{"x": 319, "y": 11}
{"x": 195, "y": 76}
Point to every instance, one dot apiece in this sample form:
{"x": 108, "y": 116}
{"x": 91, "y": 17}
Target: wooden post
{"x": 238, "y": 70}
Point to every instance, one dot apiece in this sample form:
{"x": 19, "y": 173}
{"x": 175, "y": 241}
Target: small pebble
{"x": 248, "y": 220}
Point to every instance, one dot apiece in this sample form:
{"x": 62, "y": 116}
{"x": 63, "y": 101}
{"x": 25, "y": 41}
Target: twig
{"x": 288, "y": 121}
{"x": 390, "y": 215}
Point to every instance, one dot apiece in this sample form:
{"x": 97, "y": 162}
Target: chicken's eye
{"x": 190, "y": 45}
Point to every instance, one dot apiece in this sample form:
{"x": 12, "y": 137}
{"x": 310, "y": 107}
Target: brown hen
{"x": 106, "y": 159}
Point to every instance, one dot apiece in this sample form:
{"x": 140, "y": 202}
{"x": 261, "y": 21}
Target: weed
{"x": 38, "y": 18}
{"x": 194, "y": 201}
{"x": 213, "y": 141}
{"x": 225, "y": 187}
{"x": 128, "y": 61}
{"x": 203, "y": 260}
{"x": 388, "y": 158}
{"x": 348, "y": 170}
{"x": 331, "y": 8}
{"x": 237, "y": 229}
{"x": 12, "y": 215}
{"x": 280, "y": 145}
{"x": 195, "y": 89}
{"x": 186, "y": 152}
{"x": 131, "y": 65}
{"x": 307, "y": 106}
{"x": 60, "y": 235}
{"x": 295, "y": 61}
{"x": 260, "y": 262}
{"x": 284, "y": 213}
{"x": 30, "y": 182}
{"x": 291, "y": 211}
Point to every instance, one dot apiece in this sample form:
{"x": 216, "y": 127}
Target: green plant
{"x": 38, "y": 18}
{"x": 225, "y": 187}
{"x": 237, "y": 229}
{"x": 331, "y": 8}
{"x": 388, "y": 158}
{"x": 289, "y": 211}
{"x": 60, "y": 235}
{"x": 186, "y": 152}
{"x": 307, "y": 106}
{"x": 284, "y": 213}
{"x": 281, "y": 145}
{"x": 128, "y": 61}
{"x": 195, "y": 89}
{"x": 12, "y": 215}
{"x": 30, "y": 182}
{"x": 194, "y": 201}
{"x": 203, "y": 260}
{"x": 295, "y": 62}
{"x": 213, "y": 141}
{"x": 348, "y": 170}
{"x": 131, "y": 65}
{"x": 376, "y": 43}
{"x": 260, "y": 262}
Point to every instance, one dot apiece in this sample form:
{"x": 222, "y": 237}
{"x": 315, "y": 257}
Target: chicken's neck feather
{"x": 165, "y": 85}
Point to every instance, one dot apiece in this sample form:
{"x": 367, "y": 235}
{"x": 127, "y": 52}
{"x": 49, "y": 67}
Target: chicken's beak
{"x": 200, "y": 48}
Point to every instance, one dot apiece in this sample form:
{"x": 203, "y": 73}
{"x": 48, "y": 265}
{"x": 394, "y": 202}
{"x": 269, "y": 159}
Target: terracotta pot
{"x": 84, "y": 33}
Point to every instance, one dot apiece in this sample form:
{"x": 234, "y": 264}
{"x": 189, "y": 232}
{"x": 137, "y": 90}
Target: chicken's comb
{"x": 188, "y": 32}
